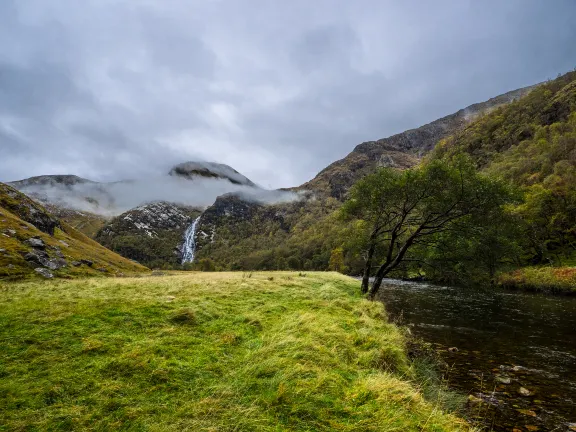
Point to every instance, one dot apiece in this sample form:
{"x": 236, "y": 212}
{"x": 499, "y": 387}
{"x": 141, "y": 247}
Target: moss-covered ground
{"x": 206, "y": 352}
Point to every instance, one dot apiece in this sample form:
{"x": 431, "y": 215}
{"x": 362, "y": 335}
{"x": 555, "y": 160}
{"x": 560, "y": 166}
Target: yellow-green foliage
{"x": 554, "y": 279}
{"x": 205, "y": 352}
{"x": 76, "y": 246}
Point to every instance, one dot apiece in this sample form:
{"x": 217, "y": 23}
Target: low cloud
{"x": 112, "y": 199}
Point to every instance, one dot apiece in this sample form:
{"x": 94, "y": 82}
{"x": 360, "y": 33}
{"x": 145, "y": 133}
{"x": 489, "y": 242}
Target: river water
{"x": 498, "y": 345}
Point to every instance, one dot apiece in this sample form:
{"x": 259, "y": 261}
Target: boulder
{"x": 87, "y": 262}
{"x": 525, "y": 392}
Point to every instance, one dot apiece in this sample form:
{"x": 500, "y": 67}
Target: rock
{"x": 102, "y": 269}
{"x": 10, "y": 232}
{"x": 42, "y": 258}
{"x": 76, "y": 263}
{"x": 44, "y": 272}
{"x": 453, "y": 349}
{"x": 503, "y": 379}
{"x": 11, "y": 266}
{"x": 2, "y": 250}
{"x": 55, "y": 263}
{"x": 64, "y": 243}
{"x": 36, "y": 256}
{"x": 483, "y": 398}
{"x": 87, "y": 262}
{"x": 58, "y": 252}
{"x": 36, "y": 243}
{"x": 525, "y": 392}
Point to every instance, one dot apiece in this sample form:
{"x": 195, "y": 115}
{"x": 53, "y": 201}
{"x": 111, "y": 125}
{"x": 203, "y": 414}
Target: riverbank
{"x": 196, "y": 351}
{"x": 553, "y": 280}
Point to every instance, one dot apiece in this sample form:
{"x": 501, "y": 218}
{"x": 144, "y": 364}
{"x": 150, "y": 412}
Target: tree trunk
{"x": 382, "y": 271}
{"x": 368, "y": 268}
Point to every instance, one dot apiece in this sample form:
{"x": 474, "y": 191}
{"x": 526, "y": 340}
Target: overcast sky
{"x": 113, "y": 89}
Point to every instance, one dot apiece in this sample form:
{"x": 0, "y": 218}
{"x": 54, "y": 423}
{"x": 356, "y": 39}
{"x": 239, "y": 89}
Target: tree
{"x": 336, "y": 262}
{"x": 408, "y": 208}
{"x": 206, "y": 265}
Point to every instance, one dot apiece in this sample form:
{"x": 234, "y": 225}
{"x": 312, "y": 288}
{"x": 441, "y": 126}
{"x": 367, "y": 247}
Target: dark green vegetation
{"x": 532, "y": 144}
{"x": 218, "y": 352}
{"x": 528, "y": 143}
{"x": 31, "y": 238}
{"x": 150, "y": 234}
{"x": 416, "y": 209}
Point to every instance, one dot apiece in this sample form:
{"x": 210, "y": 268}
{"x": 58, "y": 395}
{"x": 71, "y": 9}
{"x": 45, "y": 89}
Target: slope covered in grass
{"x": 31, "y": 238}
{"x": 205, "y": 352}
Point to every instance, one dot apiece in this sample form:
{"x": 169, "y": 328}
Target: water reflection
{"x": 514, "y": 350}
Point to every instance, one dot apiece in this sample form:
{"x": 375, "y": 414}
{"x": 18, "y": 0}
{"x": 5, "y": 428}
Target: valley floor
{"x": 206, "y": 352}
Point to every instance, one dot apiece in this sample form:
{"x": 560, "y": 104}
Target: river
{"x": 514, "y": 351}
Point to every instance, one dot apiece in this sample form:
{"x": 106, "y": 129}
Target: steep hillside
{"x": 35, "y": 243}
{"x": 532, "y": 143}
{"x": 151, "y": 234}
{"x": 402, "y": 150}
{"x": 301, "y": 235}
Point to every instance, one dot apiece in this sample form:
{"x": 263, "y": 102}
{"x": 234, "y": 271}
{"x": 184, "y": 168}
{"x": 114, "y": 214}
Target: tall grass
{"x": 206, "y": 352}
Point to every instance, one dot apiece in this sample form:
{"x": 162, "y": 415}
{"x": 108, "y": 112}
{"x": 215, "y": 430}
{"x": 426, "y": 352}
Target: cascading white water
{"x": 189, "y": 246}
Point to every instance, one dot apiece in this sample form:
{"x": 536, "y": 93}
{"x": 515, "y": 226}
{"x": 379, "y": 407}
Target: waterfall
{"x": 189, "y": 246}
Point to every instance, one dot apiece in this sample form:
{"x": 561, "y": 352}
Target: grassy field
{"x": 205, "y": 352}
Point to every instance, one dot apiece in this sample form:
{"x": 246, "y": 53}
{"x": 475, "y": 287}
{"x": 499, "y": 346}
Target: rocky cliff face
{"x": 151, "y": 233}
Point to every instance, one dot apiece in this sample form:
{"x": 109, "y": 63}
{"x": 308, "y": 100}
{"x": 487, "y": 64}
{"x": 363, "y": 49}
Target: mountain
{"x": 532, "y": 144}
{"x": 402, "y": 150}
{"x": 141, "y": 219}
{"x": 88, "y": 205}
{"x": 34, "y": 242}
{"x": 191, "y": 170}
{"x": 237, "y": 234}
{"x": 151, "y": 234}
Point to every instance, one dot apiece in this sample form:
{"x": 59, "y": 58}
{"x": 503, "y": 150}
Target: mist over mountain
{"x": 195, "y": 184}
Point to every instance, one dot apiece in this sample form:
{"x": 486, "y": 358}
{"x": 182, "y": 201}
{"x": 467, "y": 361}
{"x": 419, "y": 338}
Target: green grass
{"x": 206, "y": 352}
{"x": 548, "y": 279}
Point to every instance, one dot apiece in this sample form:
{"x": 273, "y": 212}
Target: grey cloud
{"x": 277, "y": 90}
